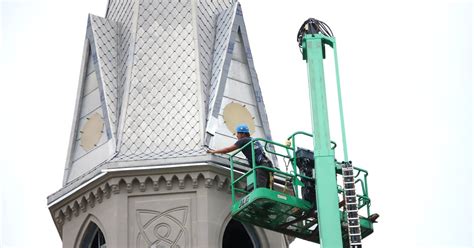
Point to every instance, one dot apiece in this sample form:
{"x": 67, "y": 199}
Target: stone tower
{"x": 161, "y": 82}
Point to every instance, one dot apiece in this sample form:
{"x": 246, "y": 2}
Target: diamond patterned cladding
{"x": 122, "y": 12}
{"x": 163, "y": 114}
{"x": 207, "y": 12}
{"x": 224, "y": 30}
{"x": 105, "y": 37}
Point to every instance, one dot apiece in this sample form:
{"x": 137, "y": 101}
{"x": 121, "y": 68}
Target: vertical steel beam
{"x": 326, "y": 185}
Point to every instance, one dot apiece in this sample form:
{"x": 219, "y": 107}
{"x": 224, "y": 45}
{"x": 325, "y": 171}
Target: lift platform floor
{"x": 286, "y": 214}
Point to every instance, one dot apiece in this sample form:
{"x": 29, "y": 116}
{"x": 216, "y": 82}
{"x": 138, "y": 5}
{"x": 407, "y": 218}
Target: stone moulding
{"x": 137, "y": 185}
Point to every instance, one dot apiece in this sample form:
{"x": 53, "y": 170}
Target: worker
{"x": 264, "y": 177}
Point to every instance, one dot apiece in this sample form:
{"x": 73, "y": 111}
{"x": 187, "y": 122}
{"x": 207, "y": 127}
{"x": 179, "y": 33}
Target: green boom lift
{"x": 311, "y": 205}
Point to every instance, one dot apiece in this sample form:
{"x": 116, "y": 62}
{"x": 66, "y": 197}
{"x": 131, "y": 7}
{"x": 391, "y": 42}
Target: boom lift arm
{"x": 312, "y": 40}
{"x": 318, "y": 219}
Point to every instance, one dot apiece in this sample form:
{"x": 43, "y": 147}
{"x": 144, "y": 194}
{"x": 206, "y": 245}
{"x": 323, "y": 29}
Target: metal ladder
{"x": 354, "y": 231}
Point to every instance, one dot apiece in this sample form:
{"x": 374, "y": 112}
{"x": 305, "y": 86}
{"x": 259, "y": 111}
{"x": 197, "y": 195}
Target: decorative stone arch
{"x": 91, "y": 230}
{"x": 237, "y": 234}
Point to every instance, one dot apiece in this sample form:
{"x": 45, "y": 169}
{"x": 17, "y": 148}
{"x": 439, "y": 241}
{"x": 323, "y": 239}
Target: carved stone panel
{"x": 161, "y": 221}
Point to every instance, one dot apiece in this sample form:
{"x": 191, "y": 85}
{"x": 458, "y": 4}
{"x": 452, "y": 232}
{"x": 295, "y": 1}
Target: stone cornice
{"x": 99, "y": 170}
{"x": 156, "y": 180}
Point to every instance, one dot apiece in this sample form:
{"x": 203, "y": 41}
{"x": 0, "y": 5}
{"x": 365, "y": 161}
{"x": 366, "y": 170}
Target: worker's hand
{"x": 211, "y": 151}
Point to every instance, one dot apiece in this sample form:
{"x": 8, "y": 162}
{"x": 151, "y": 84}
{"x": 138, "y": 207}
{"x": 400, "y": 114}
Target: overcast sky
{"x": 406, "y": 75}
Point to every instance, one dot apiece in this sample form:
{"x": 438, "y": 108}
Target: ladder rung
{"x": 352, "y": 213}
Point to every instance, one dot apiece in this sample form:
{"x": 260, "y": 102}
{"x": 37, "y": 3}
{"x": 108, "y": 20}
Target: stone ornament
{"x": 163, "y": 229}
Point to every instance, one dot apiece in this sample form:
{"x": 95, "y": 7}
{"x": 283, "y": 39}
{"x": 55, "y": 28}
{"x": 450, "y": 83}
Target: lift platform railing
{"x": 363, "y": 200}
{"x": 360, "y": 181}
{"x": 250, "y": 173}
{"x": 360, "y": 176}
{"x": 272, "y": 209}
{"x": 283, "y": 212}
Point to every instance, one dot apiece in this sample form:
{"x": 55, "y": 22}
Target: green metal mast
{"x": 327, "y": 200}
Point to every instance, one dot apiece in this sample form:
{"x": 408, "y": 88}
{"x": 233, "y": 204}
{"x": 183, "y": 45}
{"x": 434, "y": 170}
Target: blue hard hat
{"x": 242, "y": 128}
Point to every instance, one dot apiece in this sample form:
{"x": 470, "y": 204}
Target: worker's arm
{"x": 224, "y": 150}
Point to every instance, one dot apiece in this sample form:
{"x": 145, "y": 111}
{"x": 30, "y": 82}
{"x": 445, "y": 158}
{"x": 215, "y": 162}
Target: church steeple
{"x": 156, "y": 77}
{"x": 161, "y": 82}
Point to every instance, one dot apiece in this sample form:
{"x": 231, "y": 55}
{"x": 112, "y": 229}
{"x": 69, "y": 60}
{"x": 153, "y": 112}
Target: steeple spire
{"x": 156, "y": 78}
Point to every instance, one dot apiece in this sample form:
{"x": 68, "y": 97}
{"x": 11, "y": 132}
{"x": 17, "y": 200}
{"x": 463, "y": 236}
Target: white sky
{"x": 406, "y": 74}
